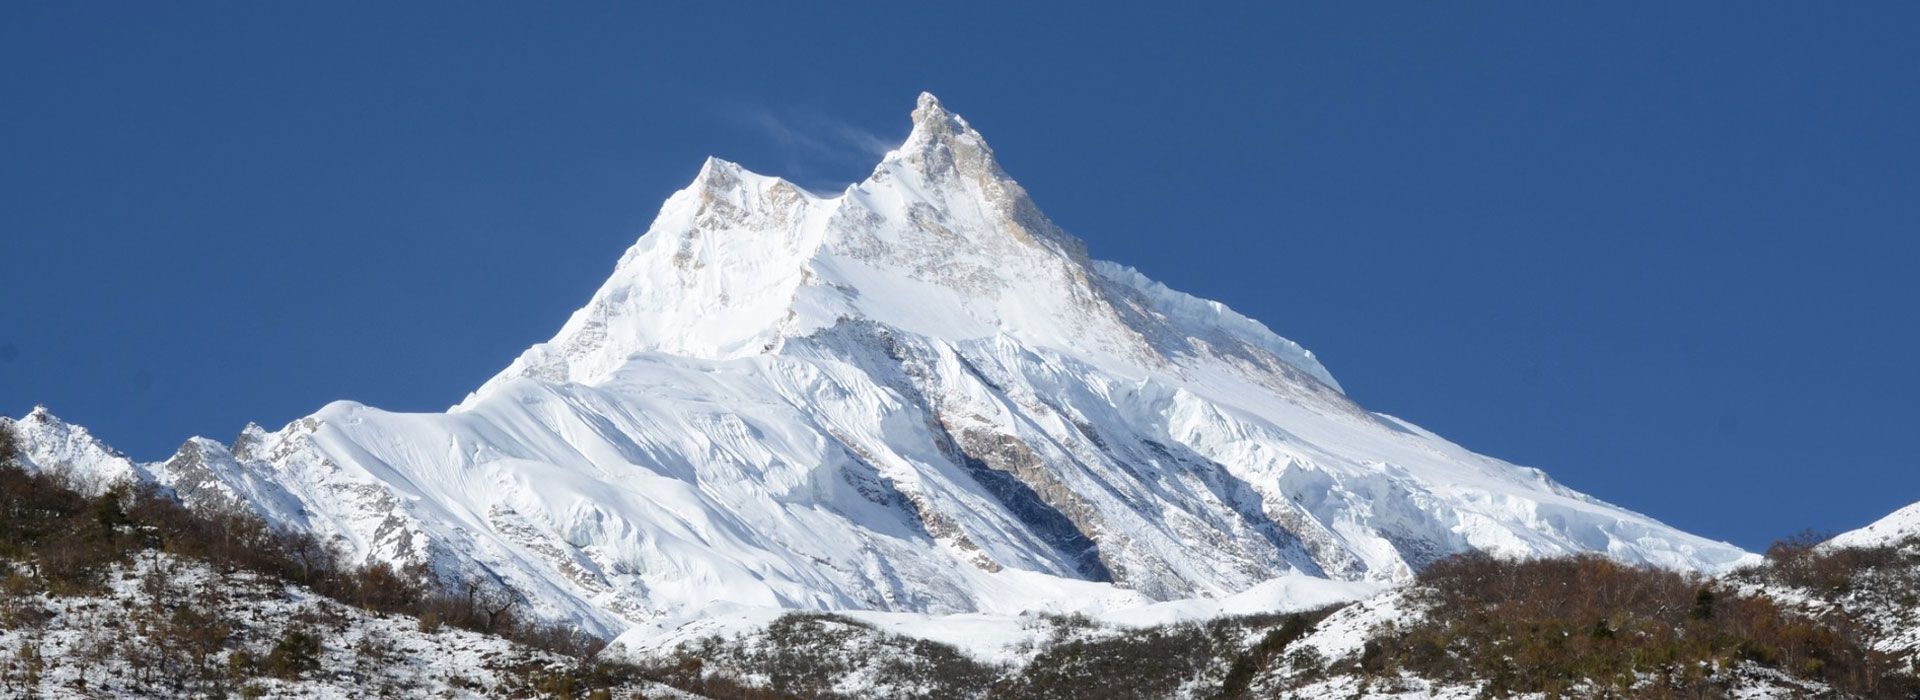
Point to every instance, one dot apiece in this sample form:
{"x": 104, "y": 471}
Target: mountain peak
{"x": 943, "y": 144}
{"x": 714, "y": 166}
{"x": 919, "y": 395}
{"x": 939, "y": 241}
{"x": 932, "y": 117}
{"x": 720, "y": 174}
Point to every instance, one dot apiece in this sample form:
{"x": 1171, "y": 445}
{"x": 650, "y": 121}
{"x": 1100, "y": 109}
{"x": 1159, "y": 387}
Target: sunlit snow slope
{"x": 1897, "y": 526}
{"x": 918, "y": 395}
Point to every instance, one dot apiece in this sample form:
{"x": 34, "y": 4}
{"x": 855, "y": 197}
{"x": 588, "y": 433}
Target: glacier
{"x": 918, "y": 395}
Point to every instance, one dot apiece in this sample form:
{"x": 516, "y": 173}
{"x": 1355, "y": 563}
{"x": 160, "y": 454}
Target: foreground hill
{"x": 1471, "y": 626}
{"x": 126, "y": 594}
{"x": 1898, "y": 526}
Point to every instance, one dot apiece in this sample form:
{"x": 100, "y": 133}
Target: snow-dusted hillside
{"x": 916, "y": 395}
{"x": 1896, "y": 527}
{"x": 137, "y": 639}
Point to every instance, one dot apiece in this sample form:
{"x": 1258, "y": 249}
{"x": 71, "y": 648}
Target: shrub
{"x": 1240, "y": 675}
{"x": 1587, "y": 625}
{"x": 296, "y": 654}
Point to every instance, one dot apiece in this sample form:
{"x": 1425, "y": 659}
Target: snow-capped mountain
{"x": 918, "y": 395}
{"x": 1897, "y": 526}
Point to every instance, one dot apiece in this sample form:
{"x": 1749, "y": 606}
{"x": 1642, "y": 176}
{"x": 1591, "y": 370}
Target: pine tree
{"x": 1703, "y": 604}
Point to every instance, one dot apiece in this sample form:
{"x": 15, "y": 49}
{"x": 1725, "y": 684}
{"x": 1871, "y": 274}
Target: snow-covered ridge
{"x": 919, "y": 395}
{"x": 1897, "y": 526}
{"x": 939, "y": 241}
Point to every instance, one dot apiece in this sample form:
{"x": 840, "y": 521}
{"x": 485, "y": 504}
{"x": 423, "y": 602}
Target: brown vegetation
{"x": 1890, "y": 571}
{"x": 1590, "y": 626}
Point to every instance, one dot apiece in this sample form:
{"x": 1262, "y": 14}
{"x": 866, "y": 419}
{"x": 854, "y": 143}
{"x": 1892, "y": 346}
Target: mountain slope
{"x": 1898, "y": 526}
{"x": 917, "y": 395}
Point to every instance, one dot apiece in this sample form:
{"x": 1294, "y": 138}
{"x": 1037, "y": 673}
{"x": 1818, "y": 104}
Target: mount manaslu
{"x": 918, "y": 395}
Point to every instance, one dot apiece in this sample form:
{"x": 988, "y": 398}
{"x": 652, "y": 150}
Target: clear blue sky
{"x": 1666, "y": 253}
